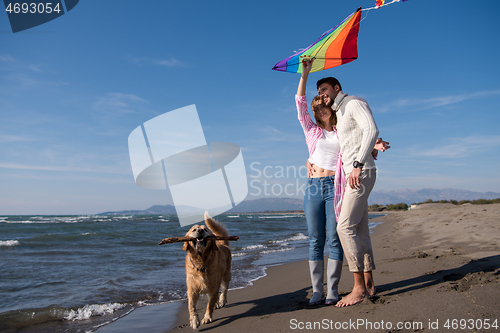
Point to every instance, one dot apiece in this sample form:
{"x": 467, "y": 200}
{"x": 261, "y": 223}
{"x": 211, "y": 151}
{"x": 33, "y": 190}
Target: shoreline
{"x": 435, "y": 264}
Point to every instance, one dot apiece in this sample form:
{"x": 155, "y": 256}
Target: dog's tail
{"x": 217, "y": 228}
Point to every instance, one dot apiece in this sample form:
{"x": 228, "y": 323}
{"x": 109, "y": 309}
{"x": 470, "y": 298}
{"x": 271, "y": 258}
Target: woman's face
{"x": 323, "y": 112}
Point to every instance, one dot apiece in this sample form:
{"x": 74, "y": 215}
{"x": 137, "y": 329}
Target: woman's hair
{"x": 318, "y": 103}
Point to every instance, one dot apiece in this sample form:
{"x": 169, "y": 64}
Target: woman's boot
{"x": 317, "y": 271}
{"x": 333, "y": 272}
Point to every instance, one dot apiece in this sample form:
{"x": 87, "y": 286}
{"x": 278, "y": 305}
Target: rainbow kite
{"x": 336, "y": 47}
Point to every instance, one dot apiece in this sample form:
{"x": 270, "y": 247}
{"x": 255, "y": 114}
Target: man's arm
{"x": 362, "y": 114}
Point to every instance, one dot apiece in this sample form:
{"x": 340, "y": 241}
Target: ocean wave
{"x": 10, "y": 243}
{"x": 299, "y": 236}
{"x": 282, "y": 249}
{"x": 16, "y": 319}
{"x": 49, "y": 219}
{"x": 253, "y": 247}
{"x": 276, "y": 216}
{"x": 92, "y": 310}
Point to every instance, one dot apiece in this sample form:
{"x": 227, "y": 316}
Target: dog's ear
{"x": 186, "y": 246}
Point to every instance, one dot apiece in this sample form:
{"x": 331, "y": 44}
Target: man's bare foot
{"x": 351, "y": 299}
{"x": 369, "y": 284}
{"x": 370, "y": 288}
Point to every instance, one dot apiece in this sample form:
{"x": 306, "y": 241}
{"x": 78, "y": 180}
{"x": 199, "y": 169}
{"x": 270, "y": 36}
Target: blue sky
{"x": 73, "y": 89}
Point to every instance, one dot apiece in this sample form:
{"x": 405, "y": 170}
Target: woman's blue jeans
{"x": 320, "y": 217}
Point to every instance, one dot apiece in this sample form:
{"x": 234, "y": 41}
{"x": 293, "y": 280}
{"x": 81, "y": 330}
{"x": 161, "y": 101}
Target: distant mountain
{"x": 407, "y": 196}
{"x": 247, "y": 206}
{"x": 153, "y": 210}
{"x": 410, "y": 196}
{"x": 268, "y": 204}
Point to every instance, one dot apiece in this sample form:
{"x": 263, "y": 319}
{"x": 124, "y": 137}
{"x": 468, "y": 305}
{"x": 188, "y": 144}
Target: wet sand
{"x": 438, "y": 270}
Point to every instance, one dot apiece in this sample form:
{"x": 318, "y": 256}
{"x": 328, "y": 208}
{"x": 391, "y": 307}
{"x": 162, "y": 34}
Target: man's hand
{"x": 310, "y": 169}
{"x": 353, "y": 180}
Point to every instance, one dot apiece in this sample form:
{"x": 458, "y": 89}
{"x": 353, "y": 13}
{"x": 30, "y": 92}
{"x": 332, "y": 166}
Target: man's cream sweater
{"x": 357, "y": 131}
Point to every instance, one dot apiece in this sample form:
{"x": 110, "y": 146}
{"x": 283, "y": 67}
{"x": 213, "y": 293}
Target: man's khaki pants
{"x": 352, "y": 226}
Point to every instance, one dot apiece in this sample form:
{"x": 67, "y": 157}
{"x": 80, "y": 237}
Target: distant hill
{"x": 407, "y": 196}
{"x": 153, "y": 210}
{"x": 247, "y": 206}
{"x": 410, "y": 196}
{"x": 268, "y": 204}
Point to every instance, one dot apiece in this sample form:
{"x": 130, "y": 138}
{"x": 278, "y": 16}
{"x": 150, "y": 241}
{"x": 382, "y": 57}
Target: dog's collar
{"x": 203, "y": 269}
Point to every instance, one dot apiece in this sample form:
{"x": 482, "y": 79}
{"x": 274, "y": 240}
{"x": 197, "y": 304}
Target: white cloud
{"x": 13, "y": 64}
{"x": 460, "y": 147}
{"x": 14, "y": 138}
{"x": 6, "y": 58}
{"x": 171, "y": 62}
{"x": 71, "y": 169}
{"x": 430, "y": 103}
{"x": 270, "y": 128}
{"x": 113, "y": 103}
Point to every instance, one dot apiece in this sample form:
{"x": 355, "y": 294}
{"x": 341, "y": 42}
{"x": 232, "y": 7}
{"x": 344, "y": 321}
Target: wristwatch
{"x": 356, "y": 164}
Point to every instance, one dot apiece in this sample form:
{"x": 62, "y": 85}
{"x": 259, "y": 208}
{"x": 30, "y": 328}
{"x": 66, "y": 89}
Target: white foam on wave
{"x": 276, "y": 216}
{"x": 283, "y": 249}
{"x": 45, "y": 220}
{"x": 299, "y": 236}
{"x": 10, "y": 243}
{"x": 93, "y": 310}
{"x": 253, "y": 247}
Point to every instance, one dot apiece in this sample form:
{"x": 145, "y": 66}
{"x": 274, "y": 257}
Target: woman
{"x": 321, "y": 200}
{"x": 324, "y": 152}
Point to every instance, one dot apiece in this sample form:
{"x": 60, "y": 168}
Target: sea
{"x": 79, "y": 273}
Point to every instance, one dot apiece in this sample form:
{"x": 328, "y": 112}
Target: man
{"x": 357, "y": 133}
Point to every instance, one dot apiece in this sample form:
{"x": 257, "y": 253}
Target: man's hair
{"x": 330, "y": 80}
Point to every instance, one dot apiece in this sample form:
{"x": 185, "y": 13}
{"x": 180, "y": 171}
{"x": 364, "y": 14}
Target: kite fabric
{"x": 335, "y": 47}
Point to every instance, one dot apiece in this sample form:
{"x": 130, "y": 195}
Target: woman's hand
{"x": 310, "y": 169}
{"x": 306, "y": 68}
{"x": 381, "y": 145}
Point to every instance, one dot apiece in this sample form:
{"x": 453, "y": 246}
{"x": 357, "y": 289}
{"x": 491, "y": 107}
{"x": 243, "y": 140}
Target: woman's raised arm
{"x": 306, "y": 68}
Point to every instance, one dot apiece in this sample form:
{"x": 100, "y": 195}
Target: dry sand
{"x": 438, "y": 270}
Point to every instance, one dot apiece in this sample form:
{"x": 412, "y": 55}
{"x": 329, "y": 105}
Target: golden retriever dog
{"x": 208, "y": 267}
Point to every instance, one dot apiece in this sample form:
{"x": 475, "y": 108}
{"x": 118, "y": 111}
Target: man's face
{"x": 328, "y": 93}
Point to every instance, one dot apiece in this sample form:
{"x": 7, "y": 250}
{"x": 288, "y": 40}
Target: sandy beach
{"x": 438, "y": 270}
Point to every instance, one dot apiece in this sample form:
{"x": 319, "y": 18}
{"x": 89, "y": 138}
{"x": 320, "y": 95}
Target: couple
{"x": 342, "y": 145}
